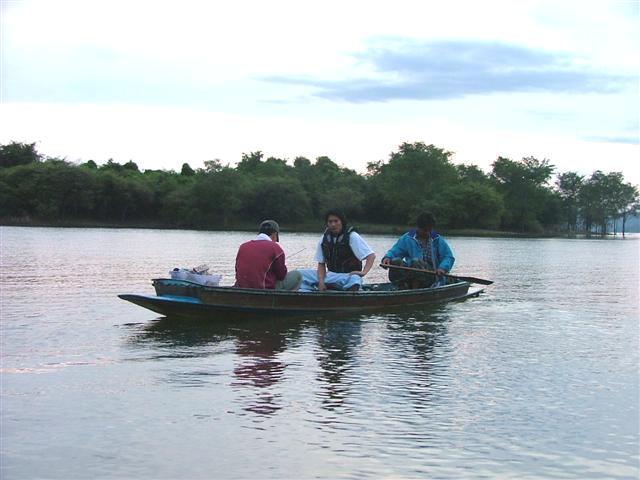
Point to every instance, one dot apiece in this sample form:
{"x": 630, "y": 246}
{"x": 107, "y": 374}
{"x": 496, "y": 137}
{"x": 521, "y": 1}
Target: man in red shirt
{"x": 260, "y": 262}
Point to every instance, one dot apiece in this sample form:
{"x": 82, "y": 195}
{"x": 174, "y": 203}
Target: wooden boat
{"x": 181, "y": 297}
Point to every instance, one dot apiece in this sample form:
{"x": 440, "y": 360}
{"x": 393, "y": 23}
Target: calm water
{"x": 537, "y": 378}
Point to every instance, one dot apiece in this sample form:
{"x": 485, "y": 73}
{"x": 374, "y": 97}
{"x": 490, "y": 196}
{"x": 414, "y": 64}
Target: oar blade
{"x": 480, "y": 281}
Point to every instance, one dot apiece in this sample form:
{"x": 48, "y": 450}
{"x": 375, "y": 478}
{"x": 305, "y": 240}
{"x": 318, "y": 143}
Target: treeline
{"x": 515, "y": 196}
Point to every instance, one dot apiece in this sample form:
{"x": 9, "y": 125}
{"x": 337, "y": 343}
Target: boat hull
{"x": 178, "y": 297}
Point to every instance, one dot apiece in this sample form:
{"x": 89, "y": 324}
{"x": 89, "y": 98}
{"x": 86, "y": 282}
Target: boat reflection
{"x": 258, "y": 364}
{"x": 339, "y": 342}
{"x": 416, "y": 341}
{"x": 334, "y": 346}
{"x": 255, "y": 346}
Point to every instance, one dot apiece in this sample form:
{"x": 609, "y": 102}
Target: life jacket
{"x": 338, "y": 255}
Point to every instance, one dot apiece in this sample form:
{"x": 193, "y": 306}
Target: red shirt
{"x": 259, "y": 264}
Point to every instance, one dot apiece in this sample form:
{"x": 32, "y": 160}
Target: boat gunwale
{"x": 326, "y": 293}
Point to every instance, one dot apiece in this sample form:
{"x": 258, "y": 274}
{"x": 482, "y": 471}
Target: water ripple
{"x": 537, "y": 378}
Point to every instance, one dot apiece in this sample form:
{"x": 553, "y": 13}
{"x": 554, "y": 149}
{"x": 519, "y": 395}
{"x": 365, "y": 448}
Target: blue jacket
{"x": 408, "y": 248}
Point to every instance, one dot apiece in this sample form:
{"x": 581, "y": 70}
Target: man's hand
{"x": 357, "y": 272}
{"x": 386, "y": 261}
{"x": 321, "y": 286}
{"x": 441, "y": 272}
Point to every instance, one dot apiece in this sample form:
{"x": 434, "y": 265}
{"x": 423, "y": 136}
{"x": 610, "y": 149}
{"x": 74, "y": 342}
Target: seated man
{"x": 420, "y": 248}
{"x": 340, "y": 253}
{"x": 260, "y": 262}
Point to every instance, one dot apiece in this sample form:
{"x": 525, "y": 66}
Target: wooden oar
{"x": 481, "y": 281}
{"x": 294, "y": 254}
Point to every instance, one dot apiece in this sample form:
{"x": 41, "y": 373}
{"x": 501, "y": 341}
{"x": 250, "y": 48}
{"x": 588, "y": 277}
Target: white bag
{"x": 200, "y": 279}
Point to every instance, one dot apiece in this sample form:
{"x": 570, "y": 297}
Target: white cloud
{"x": 164, "y": 82}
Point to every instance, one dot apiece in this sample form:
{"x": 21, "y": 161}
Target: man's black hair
{"x": 336, "y": 213}
{"x": 266, "y": 230}
{"x": 426, "y": 220}
{"x": 268, "y": 227}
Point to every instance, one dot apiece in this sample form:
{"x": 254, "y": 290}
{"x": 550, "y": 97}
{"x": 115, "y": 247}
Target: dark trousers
{"x": 406, "y": 280}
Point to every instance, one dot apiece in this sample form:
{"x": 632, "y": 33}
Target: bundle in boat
{"x": 199, "y": 275}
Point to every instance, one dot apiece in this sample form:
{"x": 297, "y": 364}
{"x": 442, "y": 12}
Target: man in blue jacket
{"x": 420, "y": 248}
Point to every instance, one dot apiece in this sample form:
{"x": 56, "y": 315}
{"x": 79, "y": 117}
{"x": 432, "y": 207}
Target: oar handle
{"x": 412, "y": 269}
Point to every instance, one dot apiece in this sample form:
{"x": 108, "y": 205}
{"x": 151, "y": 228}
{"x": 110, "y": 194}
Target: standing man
{"x": 260, "y": 263}
{"x": 340, "y": 253}
{"x": 420, "y": 248}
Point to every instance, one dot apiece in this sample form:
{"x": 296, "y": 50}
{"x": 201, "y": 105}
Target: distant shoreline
{"x": 363, "y": 227}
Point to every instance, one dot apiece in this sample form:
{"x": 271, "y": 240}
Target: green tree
{"x": 416, "y": 177}
{"x": 327, "y": 185}
{"x": 250, "y": 163}
{"x": 131, "y": 165}
{"x": 523, "y": 186}
{"x": 348, "y": 198}
{"x": 186, "y": 170}
{"x": 213, "y": 166}
{"x": 472, "y": 173}
{"x": 301, "y": 163}
{"x": 633, "y": 209}
{"x": 170, "y": 196}
{"x": 569, "y": 185}
{"x": 113, "y": 166}
{"x": 283, "y": 199}
{"x": 592, "y": 201}
{"x": 337, "y": 187}
{"x": 178, "y": 208}
{"x": 218, "y": 197}
{"x": 52, "y": 190}
{"x": 415, "y": 174}
{"x": 6, "y": 197}
{"x": 624, "y": 199}
{"x": 122, "y": 198}
{"x": 605, "y": 197}
{"x": 65, "y": 191}
{"x": 472, "y": 205}
{"x": 16, "y": 153}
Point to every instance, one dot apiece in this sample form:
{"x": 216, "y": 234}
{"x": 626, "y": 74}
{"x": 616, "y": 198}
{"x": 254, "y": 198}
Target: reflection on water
{"x": 181, "y": 336}
{"x": 416, "y": 338}
{"x": 258, "y": 368}
{"x": 256, "y": 345}
{"x": 337, "y": 342}
{"x": 537, "y": 378}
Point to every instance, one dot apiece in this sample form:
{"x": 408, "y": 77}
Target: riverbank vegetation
{"x": 526, "y": 196}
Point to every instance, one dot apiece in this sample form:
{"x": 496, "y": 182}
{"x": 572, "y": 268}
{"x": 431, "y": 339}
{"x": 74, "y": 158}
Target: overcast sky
{"x": 163, "y": 83}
